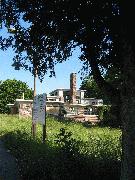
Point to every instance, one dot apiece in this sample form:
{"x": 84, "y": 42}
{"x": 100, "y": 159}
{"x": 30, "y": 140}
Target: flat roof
{"x": 60, "y": 89}
{"x": 66, "y": 90}
{"x": 23, "y": 100}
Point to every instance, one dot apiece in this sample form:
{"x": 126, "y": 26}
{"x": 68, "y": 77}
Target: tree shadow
{"x": 41, "y": 161}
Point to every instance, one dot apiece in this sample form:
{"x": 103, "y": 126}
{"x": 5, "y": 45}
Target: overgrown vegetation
{"x": 71, "y": 151}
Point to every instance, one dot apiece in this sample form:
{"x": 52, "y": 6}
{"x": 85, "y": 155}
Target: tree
{"x": 10, "y": 90}
{"x": 92, "y": 89}
{"x": 105, "y": 34}
{"x": 112, "y": 76}
{"x": 111, "y": 113}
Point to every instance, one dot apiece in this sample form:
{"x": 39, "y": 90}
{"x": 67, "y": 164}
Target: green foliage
{"x": 102, "y": 110}
{"x": 104, "y": 143}
{"x": 67, "y": 144}
{"x": 112, "y": 76}
{"x": 62, "y": 111}
{"x": 49, "y": 43}
{"x": 92, "y": 90}
{"x": 109, "y": 116}
{"x": 11, "y": 90}
{"x": 70, "y": 152}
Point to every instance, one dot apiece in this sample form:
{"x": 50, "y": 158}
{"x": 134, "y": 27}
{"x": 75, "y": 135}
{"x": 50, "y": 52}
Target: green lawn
{"x": 75, "y": 151}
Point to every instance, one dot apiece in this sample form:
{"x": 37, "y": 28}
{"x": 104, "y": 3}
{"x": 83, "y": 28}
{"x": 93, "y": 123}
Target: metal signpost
{"x": 39, "y": 112}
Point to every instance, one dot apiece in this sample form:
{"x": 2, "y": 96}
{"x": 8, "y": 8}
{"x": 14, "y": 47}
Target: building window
{"x": 52, "y": 99}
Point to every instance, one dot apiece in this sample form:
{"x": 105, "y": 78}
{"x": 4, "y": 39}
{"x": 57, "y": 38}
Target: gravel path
{"x": 8, "y": 168}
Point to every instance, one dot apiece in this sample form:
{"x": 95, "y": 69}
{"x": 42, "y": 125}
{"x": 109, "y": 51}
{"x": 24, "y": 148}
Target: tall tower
{"x": 73, "y": 88}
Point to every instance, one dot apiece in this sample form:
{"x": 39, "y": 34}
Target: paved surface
{"x": 8, "y": 168}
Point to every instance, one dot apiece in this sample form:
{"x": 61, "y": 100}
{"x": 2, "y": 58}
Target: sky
{"x": 62, "y": 79}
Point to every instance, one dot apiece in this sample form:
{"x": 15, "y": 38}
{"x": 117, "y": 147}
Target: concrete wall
{"x": 25, "y": 109}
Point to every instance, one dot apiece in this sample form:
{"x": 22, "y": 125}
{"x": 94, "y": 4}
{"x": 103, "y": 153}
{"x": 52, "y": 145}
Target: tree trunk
{"x": 128, "y": 138}
{"x": 128, "y": 113}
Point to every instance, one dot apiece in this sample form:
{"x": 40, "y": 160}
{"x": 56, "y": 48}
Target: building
{"x": 64, "y": 102}
{"x": 72, "y": 95}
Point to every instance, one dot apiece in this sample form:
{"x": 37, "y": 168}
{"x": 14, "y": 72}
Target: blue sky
{"x": 62, "y": 70}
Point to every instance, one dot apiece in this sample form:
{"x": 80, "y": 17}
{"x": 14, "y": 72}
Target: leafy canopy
{"x": 56, "y": 27}
{"x": 10, "y": 90}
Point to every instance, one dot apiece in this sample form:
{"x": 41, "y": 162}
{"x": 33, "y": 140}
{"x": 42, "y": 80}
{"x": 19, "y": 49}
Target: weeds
{"x": 71, "y": 151}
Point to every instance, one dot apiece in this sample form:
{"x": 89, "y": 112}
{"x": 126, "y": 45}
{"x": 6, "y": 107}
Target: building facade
{"x": 70, "y": 102}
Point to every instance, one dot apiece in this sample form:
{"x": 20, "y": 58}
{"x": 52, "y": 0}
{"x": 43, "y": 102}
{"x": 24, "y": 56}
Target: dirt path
{"x": 8, "y": 168}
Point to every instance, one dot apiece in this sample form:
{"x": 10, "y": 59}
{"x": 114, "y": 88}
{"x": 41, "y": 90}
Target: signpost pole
{"x": 34, "y": 124}
{"x": 44, "y": 127}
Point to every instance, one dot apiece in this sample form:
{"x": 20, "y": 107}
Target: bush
{"x": 67, "y": 144}
{"x": 109, "y": 116}
{"x": 62, "y": 111}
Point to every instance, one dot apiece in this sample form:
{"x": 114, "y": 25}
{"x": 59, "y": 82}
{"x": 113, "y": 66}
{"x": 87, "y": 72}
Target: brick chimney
{"x": 73, "y": 88}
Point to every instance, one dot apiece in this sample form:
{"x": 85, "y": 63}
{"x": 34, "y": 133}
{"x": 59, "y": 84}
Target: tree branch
{"x": 106, "y": 87}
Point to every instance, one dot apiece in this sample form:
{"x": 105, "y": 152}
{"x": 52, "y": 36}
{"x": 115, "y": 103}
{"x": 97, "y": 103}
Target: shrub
{"x": 109, "y": 116}
{"x": 67, "y": 144}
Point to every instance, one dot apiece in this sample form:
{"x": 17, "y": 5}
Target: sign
{"x": 39, "y": 107}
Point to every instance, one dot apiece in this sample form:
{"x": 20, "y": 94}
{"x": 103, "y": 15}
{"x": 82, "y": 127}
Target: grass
{"x": 72, "y": 151}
